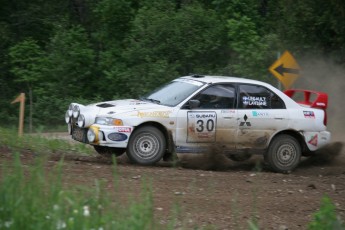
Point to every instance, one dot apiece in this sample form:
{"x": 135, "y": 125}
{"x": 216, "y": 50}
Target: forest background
{"x": 63, "y": 51}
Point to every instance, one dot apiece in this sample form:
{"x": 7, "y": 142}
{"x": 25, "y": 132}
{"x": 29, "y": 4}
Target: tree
{"x": 249, "y": 48}
{"x": 68, "y": 73}
{"x": 113, "y": 21}
{"x": 314, "y": 27}
{"x": 84, "y": 50}
{"x": 70, "y": 63}
{"x": 27, "y": 60}
{"x": 165, "y": 42}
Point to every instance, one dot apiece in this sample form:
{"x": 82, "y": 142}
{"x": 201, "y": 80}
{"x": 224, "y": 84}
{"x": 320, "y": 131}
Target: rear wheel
{"x": 146, "y": 145}
{"x": 109, "y": 151}
{"x": 284, "y": 153}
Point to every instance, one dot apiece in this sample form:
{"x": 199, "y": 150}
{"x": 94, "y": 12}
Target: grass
{"x": 40, "y": 145}
{"x": 31, "y": 197}
{"x": 326, "y": 218}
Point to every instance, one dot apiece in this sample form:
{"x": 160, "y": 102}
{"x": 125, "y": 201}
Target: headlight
{"x": 85, "y": 120}
{"x": 91, "y": 135}
{"x": 108, "y": 121}
{"x": 81, "y": 121}
{"x": 67, "y": 117}
{"x": 76, "y": 111}
{"x": 94, "y": 135}
{"x": 70, "y": 109}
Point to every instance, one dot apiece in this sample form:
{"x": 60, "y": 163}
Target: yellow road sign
{"x": 286, "y": 69}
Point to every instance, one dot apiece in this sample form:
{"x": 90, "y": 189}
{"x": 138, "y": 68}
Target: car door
{"x": 210, "y": 121}
{"x": 260, "y": 114}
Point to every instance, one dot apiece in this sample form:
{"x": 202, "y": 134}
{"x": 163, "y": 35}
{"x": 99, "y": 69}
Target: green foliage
{"x": 233, "y": 8}
{"x": 310, "y": 26}
{"x": 27, "y": 61}
{"x": 35, "y": 199}
{"x": 165, "y": 41}
{"x": 70, "y": 64}
{"x": 113, "y": 19}
{"x": 38, "y": 144}
{"x": 66, "y": 51}
{"x": 326, "y": 218}
{"x": 248, "y": 46}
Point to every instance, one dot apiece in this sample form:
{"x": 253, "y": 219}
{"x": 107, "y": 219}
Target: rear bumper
{"x": 316, "y": 140}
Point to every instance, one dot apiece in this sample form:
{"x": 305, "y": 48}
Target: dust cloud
{"x": 323, "y": 75}
{"x": 214, "y": 159}
{"x": 328, "y": 155}
{"x": 211, "y": 159}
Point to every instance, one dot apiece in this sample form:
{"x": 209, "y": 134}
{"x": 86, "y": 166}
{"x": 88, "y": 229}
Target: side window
{"x": 217, "y": 97}
{"x": 277, "y": 102}
{"x": 258, "y": 97}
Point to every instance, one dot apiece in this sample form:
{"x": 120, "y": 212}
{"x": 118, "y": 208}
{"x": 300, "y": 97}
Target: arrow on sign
{"x": 286, "y": 69}
{"x": 281, "y": 70}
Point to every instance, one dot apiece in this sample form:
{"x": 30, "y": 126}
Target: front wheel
{"x": 109, "y": 151}
{"x": 284, "y": 153}
{"x": 146, "y": 145}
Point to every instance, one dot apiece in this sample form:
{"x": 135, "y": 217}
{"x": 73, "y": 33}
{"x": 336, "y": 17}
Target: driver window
{"x": 217, "y": 97}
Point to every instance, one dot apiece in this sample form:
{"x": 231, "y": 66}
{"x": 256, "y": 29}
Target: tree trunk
{"x": 30, "y": 116}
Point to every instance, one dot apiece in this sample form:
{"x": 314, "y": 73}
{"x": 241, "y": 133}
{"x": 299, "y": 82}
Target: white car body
{"x": 233, "y": 127}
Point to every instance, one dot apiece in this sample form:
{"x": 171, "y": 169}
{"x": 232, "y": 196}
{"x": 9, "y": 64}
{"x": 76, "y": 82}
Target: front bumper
{"x": 111, "y": 136}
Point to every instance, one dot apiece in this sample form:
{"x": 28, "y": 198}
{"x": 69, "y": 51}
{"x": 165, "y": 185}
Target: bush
{"x": 326, "y": 218}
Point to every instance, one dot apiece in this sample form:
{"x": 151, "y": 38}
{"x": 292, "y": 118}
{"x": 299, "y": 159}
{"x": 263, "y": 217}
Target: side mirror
{"x": 193, "y": 104}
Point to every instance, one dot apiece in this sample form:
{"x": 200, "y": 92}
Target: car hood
{"x": 110, "y": 108}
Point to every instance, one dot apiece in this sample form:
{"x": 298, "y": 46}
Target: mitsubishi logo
{"x": 245, "y": 122}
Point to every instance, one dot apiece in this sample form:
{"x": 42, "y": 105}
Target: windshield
{"x": 173, "y": 93}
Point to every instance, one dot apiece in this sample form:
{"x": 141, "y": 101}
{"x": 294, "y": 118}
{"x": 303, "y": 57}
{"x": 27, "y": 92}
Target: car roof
{"x": 221, "y": 79}
{"x": 208, "y": 79}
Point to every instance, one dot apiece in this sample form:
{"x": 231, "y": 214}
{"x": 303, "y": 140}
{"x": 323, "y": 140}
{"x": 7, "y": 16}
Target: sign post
{"x": 286, "y": 69}
{"x": 21, "y": 99}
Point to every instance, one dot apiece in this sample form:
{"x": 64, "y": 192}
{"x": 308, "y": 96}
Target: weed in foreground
{"x": 31, "y": 198}
{"x": 326, "y": 218}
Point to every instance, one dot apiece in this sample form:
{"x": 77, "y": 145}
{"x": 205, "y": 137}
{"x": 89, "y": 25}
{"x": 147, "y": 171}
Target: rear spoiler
{"x": 310, "y": 98}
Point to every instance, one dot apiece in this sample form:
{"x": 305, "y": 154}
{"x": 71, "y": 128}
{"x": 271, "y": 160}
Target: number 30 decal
{"x": 201, "y": 126}
{"x": 209, "y": 125}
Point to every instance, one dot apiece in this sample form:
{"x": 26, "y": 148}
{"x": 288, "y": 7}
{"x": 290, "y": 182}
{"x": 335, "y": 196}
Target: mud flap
{"x": 170, "y": 153}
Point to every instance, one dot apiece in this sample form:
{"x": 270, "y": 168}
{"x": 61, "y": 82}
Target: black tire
{"x": 146, "y": 145}
{"x": 240, "y": 156}
{"x": 109, "y": 151}
{"x": 284, "y": 154}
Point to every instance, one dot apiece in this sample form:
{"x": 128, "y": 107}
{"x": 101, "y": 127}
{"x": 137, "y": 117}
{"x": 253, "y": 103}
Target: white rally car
{"x": 195, "y": 113}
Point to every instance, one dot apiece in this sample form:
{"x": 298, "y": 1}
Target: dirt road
{"x": 210, "y": 190}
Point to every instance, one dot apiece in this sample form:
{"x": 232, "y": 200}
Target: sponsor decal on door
{"x": 201, "y": 126}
